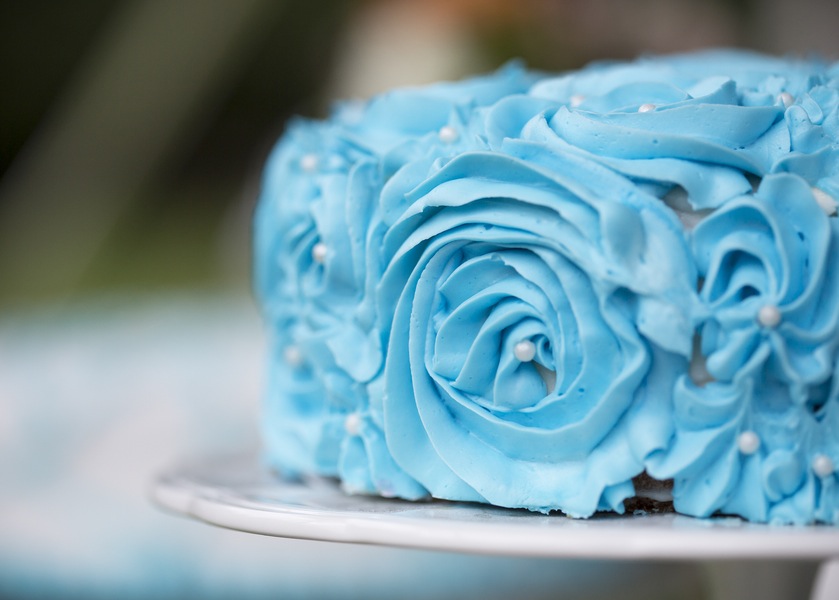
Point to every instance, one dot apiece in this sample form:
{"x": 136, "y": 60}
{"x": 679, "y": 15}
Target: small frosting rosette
{"x": 757, "y": 421}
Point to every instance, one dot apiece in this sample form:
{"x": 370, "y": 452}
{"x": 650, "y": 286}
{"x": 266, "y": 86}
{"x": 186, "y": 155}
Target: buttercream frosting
{"x": 526, "y": 289}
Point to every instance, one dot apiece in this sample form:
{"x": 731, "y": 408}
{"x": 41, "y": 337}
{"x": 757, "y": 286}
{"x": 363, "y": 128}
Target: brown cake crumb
{"x": 651, "y": 495}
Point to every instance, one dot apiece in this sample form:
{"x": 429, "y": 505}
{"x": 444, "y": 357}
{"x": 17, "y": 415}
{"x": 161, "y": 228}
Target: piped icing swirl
{"x": 523, "y": 245}
{"x": 527, "y": 290}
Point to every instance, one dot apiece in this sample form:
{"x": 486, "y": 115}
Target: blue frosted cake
{"x": 529, "y": 290}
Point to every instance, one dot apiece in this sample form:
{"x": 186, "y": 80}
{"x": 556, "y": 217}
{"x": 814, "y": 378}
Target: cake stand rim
{"x": 238, "y": 492}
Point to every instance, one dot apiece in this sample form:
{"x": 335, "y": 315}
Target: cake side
{"x": 528, "y": 290}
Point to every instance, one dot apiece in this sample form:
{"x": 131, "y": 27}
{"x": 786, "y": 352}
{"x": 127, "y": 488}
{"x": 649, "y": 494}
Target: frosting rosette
{"x": 515, "y": 372}
{"x": 317, "y": 213}
{"x": 757, "y": 421}
{"x": 703, "y": 124}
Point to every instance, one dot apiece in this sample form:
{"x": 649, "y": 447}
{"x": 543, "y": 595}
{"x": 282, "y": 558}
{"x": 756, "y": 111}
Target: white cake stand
{"x": 239, "y": 493}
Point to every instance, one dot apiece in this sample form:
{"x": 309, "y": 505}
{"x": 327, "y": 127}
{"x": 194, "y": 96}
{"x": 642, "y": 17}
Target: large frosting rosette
{"x": 515, "y": 372}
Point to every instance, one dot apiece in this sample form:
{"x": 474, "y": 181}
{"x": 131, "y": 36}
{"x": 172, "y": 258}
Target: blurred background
{"x": 132, "y": 135}
{"x": 133, "y": 131}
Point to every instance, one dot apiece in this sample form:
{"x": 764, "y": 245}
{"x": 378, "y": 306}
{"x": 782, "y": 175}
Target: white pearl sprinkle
{"x": 309, "y": 163}
{"x": 447, "y": 134}
{"x": 387, "y": 493}
{"x": 822, "y": 466}
{"x": 786, "y": 99}
{"x": 748, "y": 442}
{"x": 352, "y": 424}
{"x": 293, "y": 356}
{"x": 576, "y": 100}
{"x": 826, "y": 201}
{"x": 769, "y": 316}
{"x": 525, "y": 351}
{"x": 319, "y": 252}
{"x": 646, "y": 108}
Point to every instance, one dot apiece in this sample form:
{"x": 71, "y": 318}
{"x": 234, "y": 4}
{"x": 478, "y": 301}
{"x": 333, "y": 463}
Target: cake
{"x": 536, "y": 291}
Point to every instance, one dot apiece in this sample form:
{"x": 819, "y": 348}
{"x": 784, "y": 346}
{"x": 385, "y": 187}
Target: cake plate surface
{"x": 240, "y": 493}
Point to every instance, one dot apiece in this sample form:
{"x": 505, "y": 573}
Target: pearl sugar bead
{"x": 769, "y": 316}
{"x": 786, "y": 99}
{"x": 826, "y": 202}
{"x": 352, "y": 424}
{"x": 319, "y": 252}
{"x": 309, "y": 163}
{"x": 646, "y": 108}
{"x": 822, "y": 466}
{"x": 576, "y": 100}
{"x": 293, "y": 356}
{"x": 447, "y": 134}
{"x": 525, "y": 351}
{"x": 748, "y": 442}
